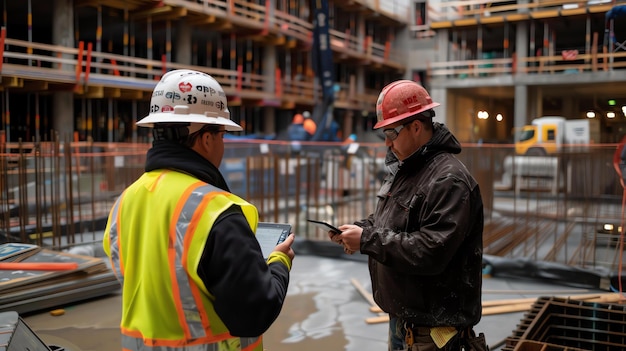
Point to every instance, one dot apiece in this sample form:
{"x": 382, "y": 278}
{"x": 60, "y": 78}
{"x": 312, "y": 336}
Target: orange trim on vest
{"x": 254, "y": 345}
{"x": 158, "y": 180}
{"x": 118, "y": 234}
{"x": 180, "y": 343}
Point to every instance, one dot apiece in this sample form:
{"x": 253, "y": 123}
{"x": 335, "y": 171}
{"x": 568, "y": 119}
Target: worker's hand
{"x": 350, "y": 238}
{"x": 335, "y": 237}
{"x": 285, "y": 246}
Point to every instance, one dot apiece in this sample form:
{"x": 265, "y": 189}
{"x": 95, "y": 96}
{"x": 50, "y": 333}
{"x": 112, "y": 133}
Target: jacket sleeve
{"x": 445, "y": 222}
{"x": 366, "y": 222}
{"x": 248, "y": 292}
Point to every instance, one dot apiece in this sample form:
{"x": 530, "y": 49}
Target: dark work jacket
{"x": 248, "y": 292}
{"x": 424, "y": 240}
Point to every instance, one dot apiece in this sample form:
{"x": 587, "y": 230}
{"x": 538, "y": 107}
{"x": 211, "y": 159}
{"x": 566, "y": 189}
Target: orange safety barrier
{"x": 116, "y": 72}
{"x": 163, "y": 66}
{"x": 278, "y": 84}
{"x": 88, "y": 63}
{"x": 366, "y": 43}
{"x": 79, "y": 63}
{"x": 387, "y": 48}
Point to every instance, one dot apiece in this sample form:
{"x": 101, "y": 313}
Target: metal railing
{"x": 57, "y": 194}
{"x": 451, "y": 10}
{"x": 87, "y": 68}
{"x": 554, "y": 64}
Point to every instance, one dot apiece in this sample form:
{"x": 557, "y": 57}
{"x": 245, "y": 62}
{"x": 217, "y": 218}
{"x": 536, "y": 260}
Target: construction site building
{"x": 496, "y": 65}
{"x": 85, "y": 68}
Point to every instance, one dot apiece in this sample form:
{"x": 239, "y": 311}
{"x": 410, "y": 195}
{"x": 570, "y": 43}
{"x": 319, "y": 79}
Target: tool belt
{"x": 429, "y": 339}
{"x": 443, "y": 338}
{"x": 471, "y": 342}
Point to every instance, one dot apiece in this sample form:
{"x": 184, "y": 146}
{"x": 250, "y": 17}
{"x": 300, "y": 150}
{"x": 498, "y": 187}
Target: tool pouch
{"x": 470, "y": 342}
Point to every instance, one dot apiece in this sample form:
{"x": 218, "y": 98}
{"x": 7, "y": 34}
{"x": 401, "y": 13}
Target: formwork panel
{"x": 573, "y": 324}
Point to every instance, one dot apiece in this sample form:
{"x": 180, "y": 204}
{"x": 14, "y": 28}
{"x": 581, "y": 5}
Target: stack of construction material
{"x": 33, "y": 278}
{"x": 566, "y": 325}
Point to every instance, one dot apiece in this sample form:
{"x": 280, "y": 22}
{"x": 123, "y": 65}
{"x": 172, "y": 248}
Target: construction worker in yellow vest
{"x": 183, "y": 247}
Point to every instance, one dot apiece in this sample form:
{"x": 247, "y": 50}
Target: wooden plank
{"x": 366, "y": 295}
{"x": 379, "y": 319}
{"x": 516, "y": 305}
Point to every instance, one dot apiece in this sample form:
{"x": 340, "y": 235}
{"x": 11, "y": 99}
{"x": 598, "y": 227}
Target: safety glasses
{"x": 392, "y": 133}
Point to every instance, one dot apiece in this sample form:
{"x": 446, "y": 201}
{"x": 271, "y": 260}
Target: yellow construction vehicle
{"x": 550, "y": 134}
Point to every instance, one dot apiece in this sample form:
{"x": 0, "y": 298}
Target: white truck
{"x": 548, "y": 135}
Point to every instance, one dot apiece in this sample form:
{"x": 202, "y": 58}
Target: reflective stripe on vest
{"x": 194, "y": 320}
{"x": 233, "y": 344}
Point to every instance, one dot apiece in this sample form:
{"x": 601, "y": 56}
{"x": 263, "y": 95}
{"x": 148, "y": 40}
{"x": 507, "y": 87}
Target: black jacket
{"x": 248, "y": 293}
{"x": 424, "y": 240}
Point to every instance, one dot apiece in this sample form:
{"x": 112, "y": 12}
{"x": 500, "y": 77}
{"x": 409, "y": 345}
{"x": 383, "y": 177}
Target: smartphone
{"x": 325, "y": 226}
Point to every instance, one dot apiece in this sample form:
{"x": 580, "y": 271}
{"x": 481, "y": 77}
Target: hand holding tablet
{"x": 271, "y": 234}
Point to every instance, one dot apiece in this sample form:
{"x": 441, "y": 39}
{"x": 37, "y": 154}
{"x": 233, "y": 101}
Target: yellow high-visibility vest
{"x": 155, "y": 237}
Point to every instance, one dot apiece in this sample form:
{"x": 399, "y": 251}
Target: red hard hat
{"x": 399, "y": 100}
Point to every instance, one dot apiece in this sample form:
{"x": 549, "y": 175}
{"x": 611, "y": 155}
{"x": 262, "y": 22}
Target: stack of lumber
{"x": 556, "y": 324}
{"x": 34, "y": 278}
{"x": 493, "y": 306}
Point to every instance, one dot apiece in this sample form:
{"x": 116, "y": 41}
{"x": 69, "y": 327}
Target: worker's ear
{"x": 208, "y": 139}
{"x": 203, "y": 142}
{"x": 417, "y": 124}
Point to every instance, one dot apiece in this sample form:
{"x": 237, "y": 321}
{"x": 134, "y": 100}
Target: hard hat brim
{"x": 153, "y": 118}
{"x": 390, "y": 121}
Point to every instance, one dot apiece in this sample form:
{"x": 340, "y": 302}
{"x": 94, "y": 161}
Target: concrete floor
{"x": 323, "y": 311}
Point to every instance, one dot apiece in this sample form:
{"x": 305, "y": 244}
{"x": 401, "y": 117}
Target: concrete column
{"x": 442, "y": 45}
{"x": 360, "y": 79}
{"x": 535, "y": 103}
{"x": 63, "y": 35}
{"x": 439, "y": 95}
{"x": 442, "y": 48}
{"x": 269, "y": 68}
{"x": 520, "y": 106}
{"x": 360, "y": 31}
{"x": 269, "y": 121}
{"x": 183, "y": 43}
{"x": 523, "y": 9}
{"x": 521, "y": 46}
{"x": 269, "y": 73}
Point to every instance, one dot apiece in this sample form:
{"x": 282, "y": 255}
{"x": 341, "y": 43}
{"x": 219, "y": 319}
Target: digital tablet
{"x": 325, "y": 226}
{"x": 271, "y": 234}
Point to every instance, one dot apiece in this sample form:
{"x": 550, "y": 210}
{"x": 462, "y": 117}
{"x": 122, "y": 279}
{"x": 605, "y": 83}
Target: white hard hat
{"x": 187, "y": 96}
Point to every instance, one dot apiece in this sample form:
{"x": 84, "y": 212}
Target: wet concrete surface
{"x": 323, "y": 311}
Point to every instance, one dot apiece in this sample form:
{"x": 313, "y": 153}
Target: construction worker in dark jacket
{"x": 424, "y": 240}
{"x": 183, "y": 247}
